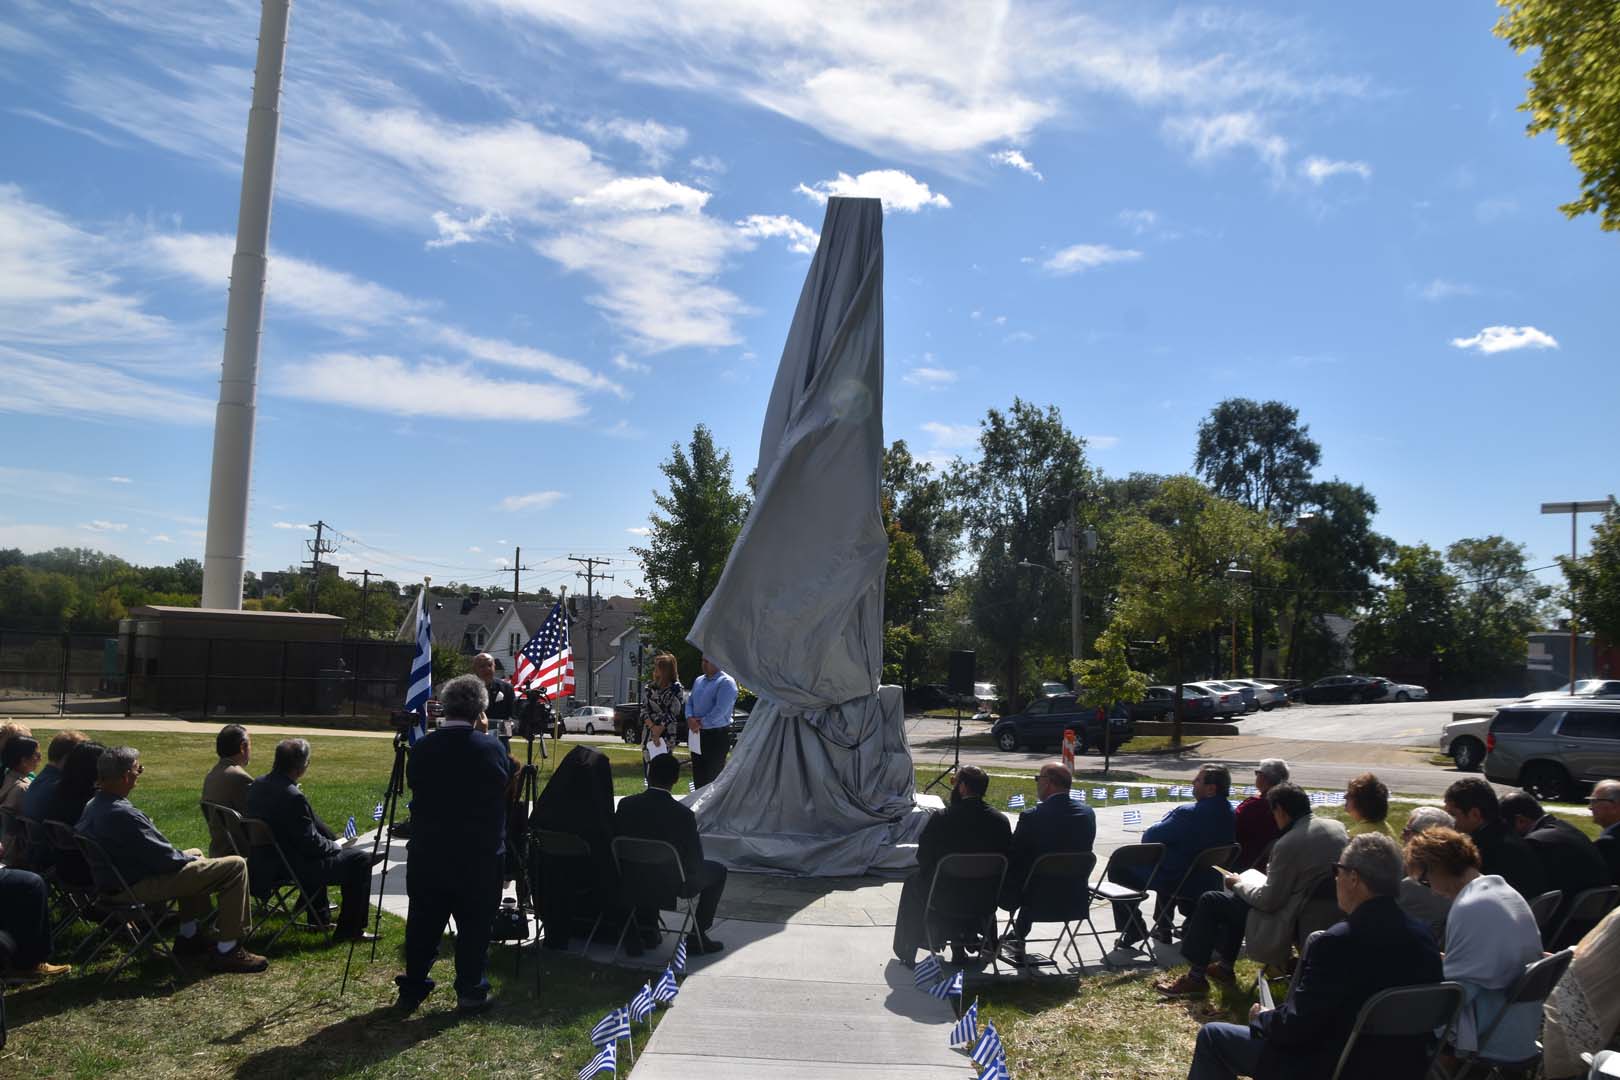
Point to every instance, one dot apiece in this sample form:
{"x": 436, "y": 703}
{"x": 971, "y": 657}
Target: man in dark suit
{"x": 501, "y": 697}
{"x": 655, "y": 815}
{"x": 458, "y": 774}
{"x": 1605, "y": 807}
{"x": 1572, "y": 862}
{"x": 967, "y": 826}
{"x": 316, "y": 858}
{"x": 1473, "y": 805}
{"x": 1373, "y": 949}
{"x": 1056, "y": 823}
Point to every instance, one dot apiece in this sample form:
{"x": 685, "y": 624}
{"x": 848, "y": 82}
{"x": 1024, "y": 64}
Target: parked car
{"x": 1464, "y": 741}
{"x": 627, "y": 720}
{"x": 1042, "y": 724}
{"x": 1197, "y": 703}
{"x": 1228, "y": 699}
{"x": 1339, "y": 690}
{"x": 1400, "y": 691}
{"x": 1554, "y": 748}
{"x": 1266, "y": 696}
{"x": 739, "y": 719}
{"x": 929, "y": 696}
{"x": 1598, "y": 688}
{"x": 1156, "y": 704}
{"x": 985, "y": 692}
{"x": 590, "y": 720}
{"x": 1048, "y": 689}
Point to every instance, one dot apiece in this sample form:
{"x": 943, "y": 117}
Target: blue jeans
{"x": 1224, "y": 1051}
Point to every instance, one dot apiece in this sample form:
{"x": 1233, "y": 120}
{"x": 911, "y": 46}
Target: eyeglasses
{"x": 1598, "y": 799}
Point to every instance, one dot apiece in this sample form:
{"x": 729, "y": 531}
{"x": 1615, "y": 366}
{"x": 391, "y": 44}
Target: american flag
{"x": 547, "y": 661}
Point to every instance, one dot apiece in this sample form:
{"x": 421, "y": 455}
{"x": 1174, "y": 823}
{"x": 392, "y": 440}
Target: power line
{"x": 317, "y": 547}
{"x": 591, "y": 576}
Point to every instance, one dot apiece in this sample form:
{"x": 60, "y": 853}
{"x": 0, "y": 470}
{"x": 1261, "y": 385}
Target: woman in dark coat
{"x": 73, "y": 791}
{"x": 578, "y": 800}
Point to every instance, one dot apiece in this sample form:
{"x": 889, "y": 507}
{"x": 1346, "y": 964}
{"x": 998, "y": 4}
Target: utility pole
{"x": 317, "y": 547}
{"x": 365, "y": 577}
{"x": 517, "y": 568}
{"x": 590, "y": 575}
{"x": 1574, "y": 510}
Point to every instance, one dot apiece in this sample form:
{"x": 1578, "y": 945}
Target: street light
{"x": 1574, "y": 510}
{"x": 1236, "y": 574}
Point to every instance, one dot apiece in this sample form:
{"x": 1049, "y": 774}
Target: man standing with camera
{"x": 458, "y": 775}
{"x": 501, "y": 697}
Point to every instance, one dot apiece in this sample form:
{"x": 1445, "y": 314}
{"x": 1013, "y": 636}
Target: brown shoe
{"x": 1219, "y": 972}
{"x": 1188, "y": 985}
{"x": 238, "y": 960}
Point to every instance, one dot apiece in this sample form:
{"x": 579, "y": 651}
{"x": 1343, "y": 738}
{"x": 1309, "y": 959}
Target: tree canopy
{"x": 1594, "y": 582}
{"x": 1257, "y": 453}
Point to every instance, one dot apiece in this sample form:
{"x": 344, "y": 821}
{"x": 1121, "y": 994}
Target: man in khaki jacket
{"x": 227, "y": 784}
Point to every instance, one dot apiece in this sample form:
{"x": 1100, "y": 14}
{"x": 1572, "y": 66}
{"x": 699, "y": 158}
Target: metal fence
{"x": 200, "y": 677}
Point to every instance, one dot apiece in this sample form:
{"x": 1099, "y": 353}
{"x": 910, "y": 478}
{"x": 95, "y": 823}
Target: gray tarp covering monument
{"x": 821, "y": 782}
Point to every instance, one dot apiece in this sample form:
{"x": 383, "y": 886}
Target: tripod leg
{"x": 396, "y": 784}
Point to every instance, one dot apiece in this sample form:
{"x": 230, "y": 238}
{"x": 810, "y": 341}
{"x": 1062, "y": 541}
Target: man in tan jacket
{"x": 227, "y": 784}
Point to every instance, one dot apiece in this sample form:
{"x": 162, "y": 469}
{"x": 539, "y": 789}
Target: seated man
{"x": 1571, "y": 862}
{"x": 1185, "y": 831}
{"x": 1253, "y": 824}
{"x": 1604, "y": 805}
{"x": 227, "y": 783}
{"x": 25, "y": 921}
{"x": 1473, "y": 805}
{"x": 38, "y": 798}
{"x": 655, "y": 815}
{"x": 966, "y": 826}
{"x": 1056, "y": 823}
{"x": 156, "y": 872}
{"x": 1266, "y": 911}
{"x": 275, "y": 799}
{"x": 1374, "y": 948}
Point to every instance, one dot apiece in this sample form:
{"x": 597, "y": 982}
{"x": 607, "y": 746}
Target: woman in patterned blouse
{"x": 662, "y": 706}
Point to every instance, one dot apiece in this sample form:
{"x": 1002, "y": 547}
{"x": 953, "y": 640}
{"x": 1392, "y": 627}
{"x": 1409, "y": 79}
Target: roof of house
{"x": 454, "y": 615}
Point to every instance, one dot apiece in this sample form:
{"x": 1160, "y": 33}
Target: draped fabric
{"x": 821, "y": 782}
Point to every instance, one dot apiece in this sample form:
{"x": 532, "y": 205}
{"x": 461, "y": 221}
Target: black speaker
{"x": 960, "y": 680}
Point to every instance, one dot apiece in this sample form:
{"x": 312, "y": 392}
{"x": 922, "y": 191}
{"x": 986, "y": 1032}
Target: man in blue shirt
{"x": 1185, "y": 832}
{"x": 40, "y": 791}
{"x": 708, "y": 713}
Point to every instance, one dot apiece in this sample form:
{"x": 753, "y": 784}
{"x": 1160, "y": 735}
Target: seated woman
{"x": 1583, "y": 1011}
{"x": 1366, "y": 800}
{"x": 578, "y": 800}
{"x": 73, "y": 791}
{"x": 1490, "y": 937}
{"x": 18, "y": 760}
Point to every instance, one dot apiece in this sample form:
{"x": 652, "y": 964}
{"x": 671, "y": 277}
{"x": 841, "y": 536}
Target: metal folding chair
{"x": 963, "y": 896}
{"x": 1219, "y": 855}
{"x": 1532, "y": 987}
{"x": 650, "y": 873}
{"x": 229, "y": 823}
{"x": 1405, "y": 1012}
{"x": 1146, "y": 858}
{"x": 76, "y": 890}
{"x": 286, "y": 895}
{"x": 1544, "y": 907}
{"x": 560, "y": 845}
{"x": 125, "y": 915}
{"x": 1588, "y": 908}
{"x": 1057, "y": 889}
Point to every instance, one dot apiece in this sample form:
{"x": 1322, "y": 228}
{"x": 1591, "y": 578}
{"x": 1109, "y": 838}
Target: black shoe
{"x": 405, "y": 1005}
{"x": 700, "y": 945}
{"x": 471, "y": 1006}
{"x": 361, "y": 935}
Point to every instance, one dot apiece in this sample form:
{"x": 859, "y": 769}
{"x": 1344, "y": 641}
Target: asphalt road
{"x": 1393, "y": 723}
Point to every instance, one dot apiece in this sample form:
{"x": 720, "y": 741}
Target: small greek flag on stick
{"x": 988, "y": 1048}
{"x": 679, "y": 963}
{"x": 1122, "y": 793}
{"x": 349, "y": 831}
{"x": 608, "y": 1059}
{"x": 996, "y": 1070}
{"x": 1133, "y": 817}
{"x": 966, "y": 1031}
{"x": 665, "y": 991}
{"x": 641, "y": 1006}
{"x": 926, "y": 971}
{"x": 951, "y": 987}
{"x": 376, "y": 813}
{"x": 1336, "y": 799}
{"x": 691, "y": 786}
{"x": 611, "y": 1028}
{"x": 1099, "y": 794}
{"x": 1078, "y": 795}
{"x": 1149, "y": 791}
{"x": 1015, "y": 803}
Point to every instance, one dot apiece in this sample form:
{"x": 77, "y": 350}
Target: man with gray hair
{"x": 156, "y": 872}
{"x": 1416, "y": 899}
{"x": 1374, "y": 948}
{"x": 1253, "y": 824}
{"x": 310, "y": 846}
{"x": 1604, "y": 805}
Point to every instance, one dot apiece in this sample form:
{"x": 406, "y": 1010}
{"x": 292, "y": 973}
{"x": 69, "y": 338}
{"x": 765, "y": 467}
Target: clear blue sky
{"x": 522, "y": 246}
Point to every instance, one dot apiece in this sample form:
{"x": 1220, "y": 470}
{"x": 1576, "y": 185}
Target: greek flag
{"x": 641, "y": 1006}
{"x": 951, "y": 987}
{"x": 1133, "y": 817}
{"x": 988, "y": 1048}
{"x": 926, "y": 971}
{"x": 349, "y": 831}
{"x": 1336, "y": 799}
{"x": 376, "y": 812}
{"x": 608, "y": 1059}
{"x": 680, "y": 957}
{"x": 996, "y": 1070}
{"x": 966, "y": 1030}
{"x": 421, "y": 686}
{"x": 1149, "y": 792}
{"x": 611, "y": 1028}
{"x": 691, "y": 786}
{"x": 1015, "y": 803}
{"x": 1099, "y": 794}
{"x": 1122, "y": 793}
{"x": 1078, "y": 795}
{"x": 666, "y": 989}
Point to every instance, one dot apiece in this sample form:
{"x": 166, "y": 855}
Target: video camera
{"x": 536, "y": 718}
{"x": 402, "y": 721}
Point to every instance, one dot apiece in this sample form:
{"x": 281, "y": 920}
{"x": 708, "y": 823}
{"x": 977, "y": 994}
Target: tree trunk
{"x": 1180, "y": 706}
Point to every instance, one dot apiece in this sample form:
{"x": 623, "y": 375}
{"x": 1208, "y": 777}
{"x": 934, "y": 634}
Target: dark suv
{"x": 1044, "y": 721}
{"x": 1554, "y": 748}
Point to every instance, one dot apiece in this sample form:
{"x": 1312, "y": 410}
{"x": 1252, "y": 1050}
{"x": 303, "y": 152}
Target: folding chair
{"x": 963, "y": 896}
{"x": 1145, "y": 857}
{"x": 1405, "y": 1012}
{"x": 1219, "y": 855}
{"x": 229, "y": 822}
{"x": 651, "y": 875}
{"x": 39, "y": 851}
{"x": 71, "y": 872}
{"x": 1587, "y": 909}
{"x": 285, "y": 894}
{"x": 1532, "y": 987}
{"x": 549, "y": 844}
{"x": 126, "y": 915}
{"x": 1057, "y": 889}
{"x": 1544, "y": 907}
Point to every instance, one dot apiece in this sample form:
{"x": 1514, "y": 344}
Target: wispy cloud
{"x": 1495, "y": 339}
{"x": 899, "y": 190}
{"x": 288, "y": 525}
{"x": 100, "y": 526}
{"x": 387, "y": 384}
{"x": 656, "y": 141}
{"x": 1213, "y": 136}
{"x": 933, "y": 378}
{"x": 535, "y": 500}
{"x": 1441, "y": 289}
{"x": 119, "y": 480}
{"x": 639, "y": 530}
{"x": 1081, "y": 257}
{"x": 1015, "y": 159}
{"x": 36, "y": 383}
{"x": 465, "y": 230}
{"x": 1319, "y": 170}
{"x": 801, "y": 238}
{"x": 1101, "y": 442}
{"x": 951, "y": 436}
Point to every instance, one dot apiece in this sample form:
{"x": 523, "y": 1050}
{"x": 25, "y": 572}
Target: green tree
{"x": 1574, "y": 90}
{"x": 1257, "y": 453}
{"x": 1173, "y": 558}
{"x": 920, "y": 500}
{"x": 907, "y": 584}
{"x": 1594, "y": 582}
{"x": 1329, "y": 560}
{"x": 1413, "y": 618}
{"x": 691, "y": 533}
{"x": 1498, "y": 605}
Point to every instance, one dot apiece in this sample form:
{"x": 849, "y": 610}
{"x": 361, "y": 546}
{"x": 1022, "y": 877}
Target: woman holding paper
{"x": 661, "y": 709}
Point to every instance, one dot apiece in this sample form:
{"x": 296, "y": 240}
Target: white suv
{"x": 1464, "y": 740}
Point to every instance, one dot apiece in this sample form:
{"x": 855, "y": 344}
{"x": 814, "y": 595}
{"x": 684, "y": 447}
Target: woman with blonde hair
{"x": 661, "y": 708}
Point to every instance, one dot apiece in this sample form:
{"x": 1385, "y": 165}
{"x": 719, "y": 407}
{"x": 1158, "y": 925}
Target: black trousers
{"x": 25, "y": 916}
{"x": 910, "y": 927}
{"x": 1216, "y": 925}
{"x": 350, "y": 871}
{"x": 707, "y": 885}
{"x": 715, "y": 744}
{"x": 471, "y": 895}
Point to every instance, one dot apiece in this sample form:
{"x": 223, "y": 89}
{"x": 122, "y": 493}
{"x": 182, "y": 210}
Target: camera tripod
{"x": 956, "y": 755}
{"x": 383, "y": 840}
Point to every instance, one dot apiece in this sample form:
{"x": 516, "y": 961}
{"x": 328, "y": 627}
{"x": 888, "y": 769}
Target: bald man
{"x": 500, "y": 697}
{"x": 1605, "y": 807}
{"x": 1055, "y": 823}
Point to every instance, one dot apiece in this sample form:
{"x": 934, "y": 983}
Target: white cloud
{"x": 454, "y": 230}
{"x": 1015, "y": 159}
{"x": 932, "y": 377}
{"x": 1441, "y": 289}
{"x": 639, "y": 530}
{"x": 1209, "y": 137}
{"x": 535, "y": 500}
{"x": 35, "y": 383}
{"x": 1139, "y": 221}
{"x": 1489, "y": 211}
{"x": 476, "y": 550}
{"x": 656, "y": 141}
{"x": 952, "y": 436}
{"x": 899, "y": 190}
{"x": 708, "y": 163}
{"x": 633, "y": 193}
{"x": 119, "y": 480}
{"x": 1080, "y": 257}
{"x": 160, "y": 538}
{"x": 522, "y": 357}
{"x": 1495, "y": 339}
{"x": 1018, "y": 337}
{"x": 288, "y": 525}
{"x": 1318, "y": 170}
{"x": 100, "y": 526}
{"x": 634, "y": 367}
{"x": 1101, "y": 442}
{"x": 388, "y": 384}
{"x": 801, "y": 238}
